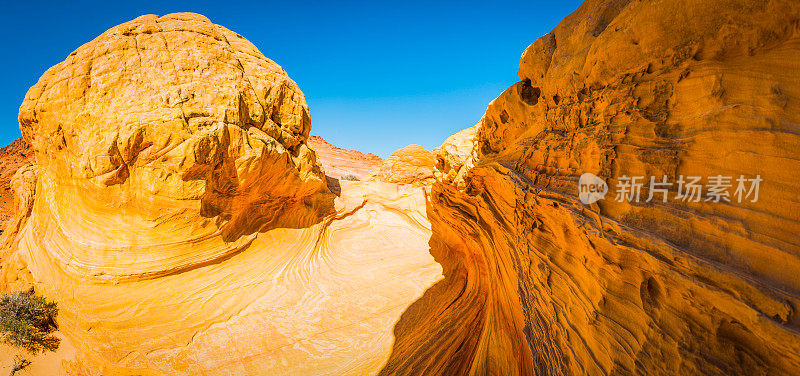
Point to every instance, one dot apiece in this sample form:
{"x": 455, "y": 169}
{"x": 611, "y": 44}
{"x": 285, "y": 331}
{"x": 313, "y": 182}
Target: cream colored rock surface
{"x": 456, "y": 156}
{"x": 181, "y": 222}
{"x": 412, "y": 164}
{"x": 338, "y": 162}
{"x": 310, "y": 301}
{"x": 537, "y": 283}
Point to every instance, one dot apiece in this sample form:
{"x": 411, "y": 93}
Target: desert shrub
{"x": 27, "y": 321}
{"x": 20, "y": 363}
{"x": 350, "y": 177}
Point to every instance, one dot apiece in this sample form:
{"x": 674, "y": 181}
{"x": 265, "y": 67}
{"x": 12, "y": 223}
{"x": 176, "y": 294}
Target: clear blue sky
{"x": 377, "y": 76}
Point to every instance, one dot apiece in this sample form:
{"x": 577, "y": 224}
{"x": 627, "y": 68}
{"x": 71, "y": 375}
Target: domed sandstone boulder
{"x": 173, "y": 109}
{"x": 409, "y": 165}
{"x": 183, "y": 225}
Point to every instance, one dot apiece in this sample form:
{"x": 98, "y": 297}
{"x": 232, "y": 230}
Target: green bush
{"x": 27, "y": 321}
{"x": 350, "y": 177}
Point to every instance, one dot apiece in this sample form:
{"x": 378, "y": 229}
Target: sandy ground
{"x": 51, "y": 363}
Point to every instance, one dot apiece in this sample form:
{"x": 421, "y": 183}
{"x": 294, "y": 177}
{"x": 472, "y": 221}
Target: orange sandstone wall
{"x": 539, "y": 283}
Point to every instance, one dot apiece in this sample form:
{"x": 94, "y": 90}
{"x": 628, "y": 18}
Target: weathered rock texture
{"x": 538, "y": 283}
{"x": 409, "y": 165}
{"x": 338, "y": 162}
{"x": 184, "y": 226}
{"x": 456, "y": 156}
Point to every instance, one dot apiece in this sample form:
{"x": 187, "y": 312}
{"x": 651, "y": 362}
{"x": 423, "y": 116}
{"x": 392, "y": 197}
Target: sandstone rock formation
{"x": 190, "y": 230}
{"x": 183, "y": 225}
{"x": 456, "y": 156}
{"x": 538, "y": 283}
{"x": 338, "y": 162}
{"x": 12, "y": 157}
{"x": 409, "y": 165}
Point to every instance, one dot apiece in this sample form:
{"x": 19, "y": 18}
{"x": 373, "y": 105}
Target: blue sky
{"x": 377, "y": 76}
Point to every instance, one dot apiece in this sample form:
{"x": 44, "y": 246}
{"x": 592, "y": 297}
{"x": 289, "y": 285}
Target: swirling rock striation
{"x": 538, "y": 283}
{"x": 181, "y": 221}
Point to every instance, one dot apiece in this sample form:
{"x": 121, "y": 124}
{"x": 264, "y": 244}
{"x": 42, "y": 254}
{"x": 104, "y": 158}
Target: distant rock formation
{"x": 338, "y": 162}
{"x": 12, "y": 157}
{"x": 183, "y": 225}
{"x": 409, "y": 165}
{"x": 538, "y": 283}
